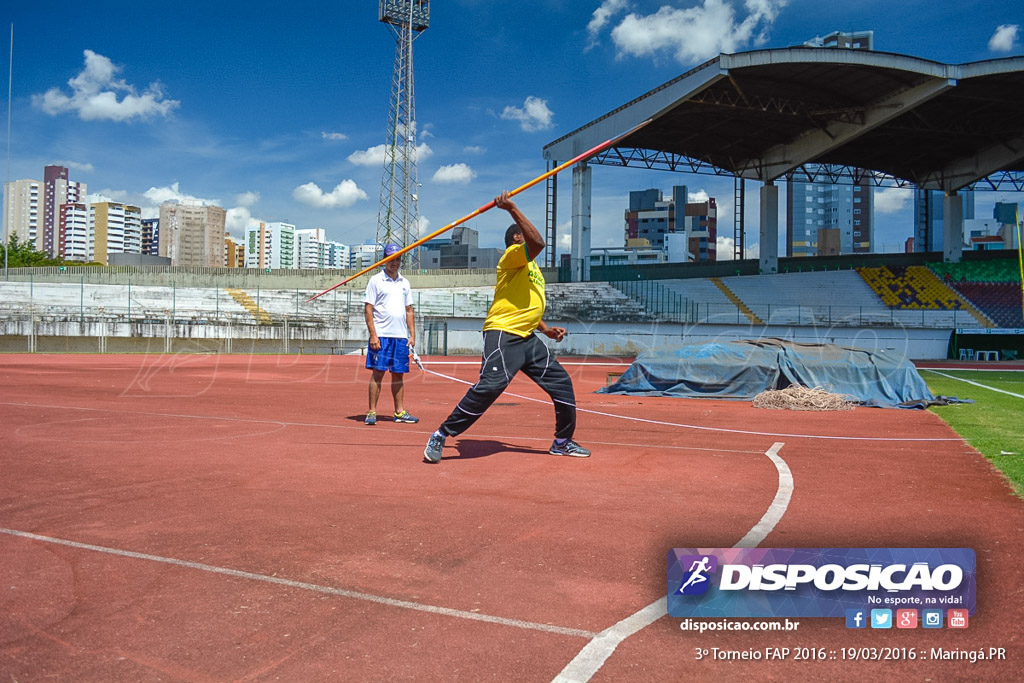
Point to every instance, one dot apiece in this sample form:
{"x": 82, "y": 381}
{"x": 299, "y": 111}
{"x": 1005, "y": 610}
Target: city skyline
{"x": 282, "y": 118}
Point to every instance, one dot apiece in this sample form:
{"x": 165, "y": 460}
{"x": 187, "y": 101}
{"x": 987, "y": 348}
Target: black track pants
{"x": 504, "y": 355}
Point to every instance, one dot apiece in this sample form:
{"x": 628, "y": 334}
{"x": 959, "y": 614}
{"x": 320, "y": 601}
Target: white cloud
{"x": 725, "y": 246}
{"x": 159, "y": 195}
{"x": 237, "y": 220}
{"x": 454, "y": 173}
{"x": 84, "y": 168}
{"x": 697, "y": 197}
{"x": 345, "y": 193}
{"x": 107, "y": 195}
{"x": 94, "y": 95}
{"x": 1004, "y": 38}
{"x": 333, "y": 136}
{"x": 374, "y": 156}
{"x": 533, "y": 116}
{"x": 424, "y": 226}
{"x": 892, "y": 199}
{"x": 474, "y": 149}
{"x": 697, "y": 33}
{"x": 602, "y": 15}
{"x": 247, "y": 199}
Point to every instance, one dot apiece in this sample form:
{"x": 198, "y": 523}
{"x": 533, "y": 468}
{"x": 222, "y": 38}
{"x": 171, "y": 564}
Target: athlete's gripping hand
{"x": 556, "y": 333}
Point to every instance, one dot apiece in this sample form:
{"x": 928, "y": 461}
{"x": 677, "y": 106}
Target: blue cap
{"x": 391, "y": 249}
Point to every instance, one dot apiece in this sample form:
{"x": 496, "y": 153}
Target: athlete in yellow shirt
{"x": 510, "y": 344}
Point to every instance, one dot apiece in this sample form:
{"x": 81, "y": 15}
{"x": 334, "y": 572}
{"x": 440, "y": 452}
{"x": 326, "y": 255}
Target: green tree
{"x": 22, "y": 255}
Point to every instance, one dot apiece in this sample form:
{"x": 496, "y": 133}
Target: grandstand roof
{"x": 768, "y": 113}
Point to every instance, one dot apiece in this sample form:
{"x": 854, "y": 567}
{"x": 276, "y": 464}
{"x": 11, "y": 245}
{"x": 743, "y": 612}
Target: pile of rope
{"x": 796, "y": 397}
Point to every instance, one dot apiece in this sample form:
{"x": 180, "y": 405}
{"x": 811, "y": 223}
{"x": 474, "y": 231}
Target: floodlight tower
{"x": 398, "y": 216}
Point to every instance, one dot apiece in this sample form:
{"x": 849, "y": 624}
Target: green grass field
{"x": 992, "y": 424}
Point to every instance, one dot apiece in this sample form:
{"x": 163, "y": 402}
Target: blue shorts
{"x": 393, "y": 356}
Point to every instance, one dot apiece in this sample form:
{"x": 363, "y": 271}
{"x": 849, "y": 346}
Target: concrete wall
{"x": 436, "y": 335}
{"x": 249, "y": 278}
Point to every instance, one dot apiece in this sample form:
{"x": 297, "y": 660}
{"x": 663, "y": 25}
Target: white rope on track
{"x": 710, "y": 429}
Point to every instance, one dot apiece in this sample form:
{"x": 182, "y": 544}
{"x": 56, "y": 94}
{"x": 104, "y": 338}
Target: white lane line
{"x": 355, "y": 595}
{"x": 593, "y": 656}
{"x": 705, "y": 427}
{"x": 977, "y": 384}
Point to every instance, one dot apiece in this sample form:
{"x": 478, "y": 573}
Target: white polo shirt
{"x": 389, "y": 299}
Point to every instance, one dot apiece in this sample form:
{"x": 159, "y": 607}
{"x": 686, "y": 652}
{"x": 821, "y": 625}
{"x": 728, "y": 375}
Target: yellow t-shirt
{"x": 518, "y": 294}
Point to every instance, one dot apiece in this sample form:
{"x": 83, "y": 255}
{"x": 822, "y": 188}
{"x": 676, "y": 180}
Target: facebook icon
{"x": 856, "y": 618}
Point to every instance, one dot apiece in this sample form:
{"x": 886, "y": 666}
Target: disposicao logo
{"x": 696, "y": 580}
{"x": 817, "y": 582}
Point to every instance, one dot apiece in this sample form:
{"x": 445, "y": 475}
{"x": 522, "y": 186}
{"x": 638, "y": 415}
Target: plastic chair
{"x": 966, "y": 354}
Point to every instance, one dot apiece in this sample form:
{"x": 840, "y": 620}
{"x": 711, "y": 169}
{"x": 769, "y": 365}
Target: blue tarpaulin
{"x": 742, "y": 369}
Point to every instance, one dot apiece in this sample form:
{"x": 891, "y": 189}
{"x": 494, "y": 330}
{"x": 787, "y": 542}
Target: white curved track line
{"x": 593, "y": 656}
{"x": 705, "y": 428}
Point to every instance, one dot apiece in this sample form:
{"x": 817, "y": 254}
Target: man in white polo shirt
{"x": 387, "y": 306}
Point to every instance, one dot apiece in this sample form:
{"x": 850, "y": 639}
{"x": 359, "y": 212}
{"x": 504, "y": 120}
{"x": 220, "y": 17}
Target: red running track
{"x": 213, "y": 518}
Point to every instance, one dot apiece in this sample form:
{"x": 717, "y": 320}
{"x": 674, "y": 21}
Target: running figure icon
{"x": 697, "y": 573}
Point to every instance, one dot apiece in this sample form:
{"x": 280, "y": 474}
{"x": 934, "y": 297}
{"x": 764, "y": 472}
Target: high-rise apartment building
{"x": 116, "y": 229}
{"x": 650, "y": 216}
{"x": 57, "y": 190}
{"x": 651, "y": 219}
{"x": 309, "y": 248}
{"x": 828, "y": 218}
{"x": 700, "y": 224}
{"x": 929, "y": 228}
{"x": 271, "y": 245}
{"x": 192, "y": 235}
{"x": 23, "y": 212}
{"x": 234, "y": 253}
{"x": 151, "y": 236}
{"x": 77, "y": 239}
{"x": 855, "y": 40}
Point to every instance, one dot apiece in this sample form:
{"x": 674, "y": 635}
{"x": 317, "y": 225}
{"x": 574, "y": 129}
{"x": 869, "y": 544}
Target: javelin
{"x": 486, "y": 207}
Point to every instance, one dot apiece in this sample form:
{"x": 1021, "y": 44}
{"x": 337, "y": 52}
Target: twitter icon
{"x": 881, "y": 618}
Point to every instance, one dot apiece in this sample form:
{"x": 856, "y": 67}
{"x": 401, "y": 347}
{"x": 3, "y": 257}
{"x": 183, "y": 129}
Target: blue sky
{"x": 273, "y": 110}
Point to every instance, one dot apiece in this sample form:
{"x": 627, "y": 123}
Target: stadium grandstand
{"x": 915, "y": 307}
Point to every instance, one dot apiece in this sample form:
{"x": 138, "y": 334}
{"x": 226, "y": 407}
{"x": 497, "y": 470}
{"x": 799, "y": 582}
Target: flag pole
{"x": 486, "y": 207}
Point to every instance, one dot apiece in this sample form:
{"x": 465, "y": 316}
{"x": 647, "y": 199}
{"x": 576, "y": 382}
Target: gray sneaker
{"x": 570, "y": 448}
{"x": 432, "y": 453}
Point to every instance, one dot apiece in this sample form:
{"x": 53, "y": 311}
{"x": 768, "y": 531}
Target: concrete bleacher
{"x": 692, "y": 300}
{"x": 139, "y": 301}
{"x": 592, "y": 302}
{"x": 809, "y": 298}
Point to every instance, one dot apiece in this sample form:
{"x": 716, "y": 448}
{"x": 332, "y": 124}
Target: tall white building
{"x": 23, "y": 212}
{"x": 79, "y": 242}
{"x": 309, "y": 248}
{"x": 271, "y": 245}
{"x": 336, "y": 255}
{"x": 363, "y": 255}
